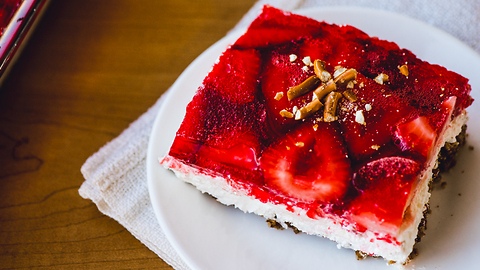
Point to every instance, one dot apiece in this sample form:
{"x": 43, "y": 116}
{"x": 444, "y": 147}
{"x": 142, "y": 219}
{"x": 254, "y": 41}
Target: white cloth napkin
{"x": 116, "y": 179}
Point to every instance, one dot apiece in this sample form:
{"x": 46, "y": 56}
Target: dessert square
{"x": 325, "y": 129}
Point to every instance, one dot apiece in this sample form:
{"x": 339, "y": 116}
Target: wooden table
{"x": 89, "y": 69}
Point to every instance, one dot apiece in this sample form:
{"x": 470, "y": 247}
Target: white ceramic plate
{"x": 210, "y": 236}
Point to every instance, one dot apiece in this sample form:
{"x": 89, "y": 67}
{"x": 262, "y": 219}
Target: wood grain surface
{"x": 89, "y": 69}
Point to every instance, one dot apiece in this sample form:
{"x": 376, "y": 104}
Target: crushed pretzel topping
{"x": 315, "y": 127}
{"x": 338, "y": 70}
{"x": 404, "y": 70}
{"x": 359, "y": 118}
{"x": 368, "y": 107}
{"x": 346, "y": 76}
{"x": 286, "y": 114}
{"x": 319, "y": 68}
{"x": 329, "y": 114}
{"x": 324, "y": 89}
{"x": 319, "y": 65}
{"x": 381, "y": 78}
{"x": 350, "y": 95}
{"x": 375, "y": 147}
{"x": 350, "y": 84}
{"x": 308, "y": 109}
{"x": 306, "y": 86}
{"x": 293, "y": 57}
{"x": 323, "y": 85}
{"x": 294, "y": 109}
{"x": 325, "y": 76}
{"x": 307, "y": 61}
{"x": 278, "y": 96}
{"x": 299, "y": 144}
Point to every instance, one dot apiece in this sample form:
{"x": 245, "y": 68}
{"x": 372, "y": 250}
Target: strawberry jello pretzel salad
{"x": 325, "y": 129}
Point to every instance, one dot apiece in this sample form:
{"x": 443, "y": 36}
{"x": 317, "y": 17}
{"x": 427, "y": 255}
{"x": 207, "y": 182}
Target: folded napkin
{"x": 116, "y": 179}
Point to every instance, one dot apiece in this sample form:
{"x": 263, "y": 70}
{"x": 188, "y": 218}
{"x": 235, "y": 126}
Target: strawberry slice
{"x": 385, "y": 186}
{"x": 381, "y": 112}
{"x": 279, "y": 74}
{"x": 221, "y": 128}
{"x": 275, "y": 27}
{"x": 233, "y": 136}
{"x": 239, "y": 151}
{"x": 309, "y": 163}
{"x": 236, "y": 75}
{"x": 420, "y": 134}
{"x": 230, "y": 88}
{"x": 443, "y": 115}
{"x": 417, "y": 135}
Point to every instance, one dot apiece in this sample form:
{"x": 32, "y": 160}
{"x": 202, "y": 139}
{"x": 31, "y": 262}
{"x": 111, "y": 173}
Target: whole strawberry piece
{"x": 309, "y": 163}
{"x": 420, "y": 134}
{"x": 385, "y": 186}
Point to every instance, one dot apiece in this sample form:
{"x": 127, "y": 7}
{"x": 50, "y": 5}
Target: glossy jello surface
{"x": 263, "y": 118}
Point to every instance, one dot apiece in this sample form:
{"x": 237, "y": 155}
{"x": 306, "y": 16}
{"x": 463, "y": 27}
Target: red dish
{"x": 16, "y": 19}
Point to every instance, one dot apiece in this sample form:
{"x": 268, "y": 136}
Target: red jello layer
{"x": 365, "y": 163}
